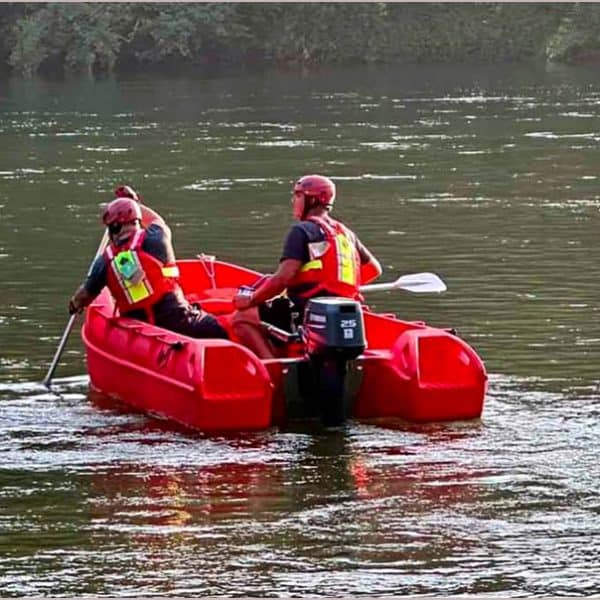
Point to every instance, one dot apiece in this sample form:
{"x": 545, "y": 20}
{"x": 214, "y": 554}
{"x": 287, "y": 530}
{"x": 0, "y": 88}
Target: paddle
{"x": 65, "y": 336}
{"x": 418, "y": 283}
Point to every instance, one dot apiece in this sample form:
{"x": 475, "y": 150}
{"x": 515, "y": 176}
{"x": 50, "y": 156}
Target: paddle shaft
{"x": 71, "y": 322}
{"x": 379, "y": 287}
{"x": 59, "y": 350}
{"x": 415, "y": 282}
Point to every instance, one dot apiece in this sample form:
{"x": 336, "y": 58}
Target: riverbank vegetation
{"x": 103, "y": 38}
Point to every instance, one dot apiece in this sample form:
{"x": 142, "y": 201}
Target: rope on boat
{"x": 208, "y": 262}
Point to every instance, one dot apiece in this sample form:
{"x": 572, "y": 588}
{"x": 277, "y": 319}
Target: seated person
{"x": 138, "y": 266}
{"x": 321, "y": 257}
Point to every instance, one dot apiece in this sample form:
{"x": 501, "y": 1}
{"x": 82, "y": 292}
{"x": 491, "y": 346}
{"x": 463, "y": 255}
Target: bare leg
{"x": 246, "y": 326}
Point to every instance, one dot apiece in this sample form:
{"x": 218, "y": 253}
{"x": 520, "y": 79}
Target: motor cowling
{"x": 334, "y": 327}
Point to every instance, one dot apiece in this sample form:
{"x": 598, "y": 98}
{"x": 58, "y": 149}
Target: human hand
{"x": 74, "y": 306}
{"x": 80, "y": 299}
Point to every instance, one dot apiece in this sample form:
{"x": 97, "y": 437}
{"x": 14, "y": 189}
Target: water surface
{"x": 486, "y": 176}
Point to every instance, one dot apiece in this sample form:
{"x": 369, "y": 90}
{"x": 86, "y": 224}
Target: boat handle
{"x": 175, "y": 344}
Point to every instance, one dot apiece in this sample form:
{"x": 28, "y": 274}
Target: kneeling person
{"x": 139, "y": 268}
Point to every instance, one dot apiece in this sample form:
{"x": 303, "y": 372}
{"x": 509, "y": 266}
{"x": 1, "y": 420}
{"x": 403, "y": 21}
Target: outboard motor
{"x": 334, "y": 334}
{"x": 334, "y": 327}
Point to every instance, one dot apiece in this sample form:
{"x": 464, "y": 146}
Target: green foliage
{"x": 578, "y": 34}
{"x": 90, "y": 35}
{"x": 9, "y": 15}
{"x": 30, "y": 48}
{"x": 95, "y": 38}
{"x": 488, "y": 32}
{"x": 182, "y": 30}
{"x": 83, "y": 36}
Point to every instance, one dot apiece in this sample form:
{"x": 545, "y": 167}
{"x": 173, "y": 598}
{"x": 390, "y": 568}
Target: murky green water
{"x": 486, "y": 176}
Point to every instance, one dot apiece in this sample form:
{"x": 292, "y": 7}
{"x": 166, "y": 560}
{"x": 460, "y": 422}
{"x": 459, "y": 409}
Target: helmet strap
{"x": 309, "y": 204}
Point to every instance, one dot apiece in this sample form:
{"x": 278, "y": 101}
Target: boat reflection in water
{"x": 187, "y": 478}
{"x": 274, "y": 510}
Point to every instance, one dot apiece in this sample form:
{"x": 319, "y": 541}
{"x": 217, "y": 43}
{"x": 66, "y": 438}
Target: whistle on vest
{"x": 128, "y": 267}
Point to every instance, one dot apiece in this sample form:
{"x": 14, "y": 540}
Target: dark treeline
{"x": 102, "y": 38}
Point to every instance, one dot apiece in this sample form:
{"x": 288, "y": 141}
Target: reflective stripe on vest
{"x": 313, "y": 264}
{"x": 344, "y": 249}
{"x": 345, "y": 255}
{"x": 333, "y": 264}
{"x": 136, "y": 278}
{"x": 170, "y": 271}
{"x": 129, "y": 272}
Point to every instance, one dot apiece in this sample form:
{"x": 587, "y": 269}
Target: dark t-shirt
{"x": 157, "y": 243}
{"x": 302, "y": 234}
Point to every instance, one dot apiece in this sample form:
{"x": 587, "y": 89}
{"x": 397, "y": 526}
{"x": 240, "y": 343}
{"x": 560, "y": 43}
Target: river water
{"x": 486, "y": 176}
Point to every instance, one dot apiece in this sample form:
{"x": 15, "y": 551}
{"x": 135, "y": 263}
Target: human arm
{"x": 272, "y": 286}
{"x": 92, "y": 286}
{"x": 158, "y": 242}
{"x": 294, "y": 255}
{"x": 370, "y": 267}
{"x": 151, "y": 217}
{"x": 80, "y": 299}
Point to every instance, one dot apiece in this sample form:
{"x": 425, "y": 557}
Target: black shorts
{"x": 282, "y": 313}
{"x": 177, "y": 315}
{"x": 287, "y": 313}
{"x": 199, "y": 325}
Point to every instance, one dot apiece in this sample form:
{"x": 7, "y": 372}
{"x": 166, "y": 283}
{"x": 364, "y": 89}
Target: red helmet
{"x": 125, "y": 191}
{"x": 122, "y": 210}
{"x": 318, "y": 187}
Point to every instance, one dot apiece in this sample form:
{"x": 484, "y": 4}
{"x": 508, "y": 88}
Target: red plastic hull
{"x": 409, "y": 371}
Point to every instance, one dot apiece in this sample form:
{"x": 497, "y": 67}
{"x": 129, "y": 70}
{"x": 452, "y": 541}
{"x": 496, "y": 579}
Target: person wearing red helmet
{"x": 138, "y": 266}
{"x": 321, "y": 257}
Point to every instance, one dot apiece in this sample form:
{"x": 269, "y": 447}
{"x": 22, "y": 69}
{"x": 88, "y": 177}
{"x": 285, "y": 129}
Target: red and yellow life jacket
{"x": 334, "y": 263}
{"x": 136, "y": 279}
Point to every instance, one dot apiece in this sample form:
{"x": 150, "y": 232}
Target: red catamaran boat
{"x": 347, "y": 362}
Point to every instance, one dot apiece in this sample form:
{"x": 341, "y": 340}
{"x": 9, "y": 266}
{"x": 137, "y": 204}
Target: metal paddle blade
{"x": 417, "y": 283}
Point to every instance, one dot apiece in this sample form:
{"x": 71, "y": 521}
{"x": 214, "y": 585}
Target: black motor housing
{"x": 333, "y": 332}
{"x": 334, "y": 327}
